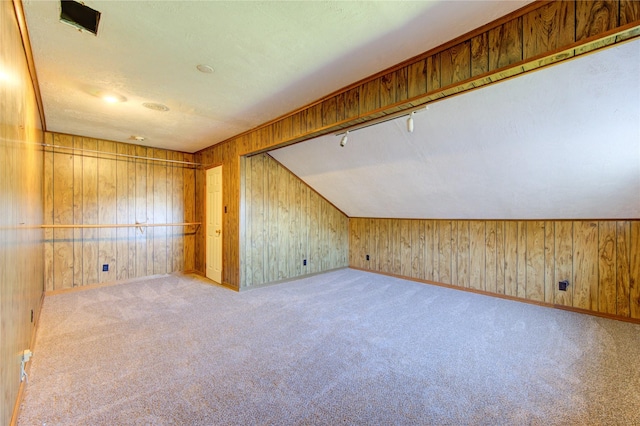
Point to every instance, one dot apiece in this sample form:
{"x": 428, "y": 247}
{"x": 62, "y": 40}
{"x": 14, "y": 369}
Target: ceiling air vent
{"x": 80, "y": 16}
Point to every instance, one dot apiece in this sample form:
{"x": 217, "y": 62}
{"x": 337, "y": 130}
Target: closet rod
{"x": 93, "y": 151}
{"x": 128, "y": 225}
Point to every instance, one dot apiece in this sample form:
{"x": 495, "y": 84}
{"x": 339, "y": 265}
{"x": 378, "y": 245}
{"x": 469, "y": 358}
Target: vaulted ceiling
{"x": 562, "y": 143}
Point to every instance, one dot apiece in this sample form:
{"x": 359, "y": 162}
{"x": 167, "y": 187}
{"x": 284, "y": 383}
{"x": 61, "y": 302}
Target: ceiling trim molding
{"x": 26, "y": 43}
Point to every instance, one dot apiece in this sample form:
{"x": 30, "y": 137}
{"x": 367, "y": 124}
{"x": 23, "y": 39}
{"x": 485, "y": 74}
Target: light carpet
{"x": 345, "y": 347}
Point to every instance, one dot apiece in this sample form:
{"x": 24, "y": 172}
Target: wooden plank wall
{"x": 87, "y": 188}
{"x": 522, "y": 259}
{"x": 538, "y": 35}
{"x": 21, "y": 257}
{"x": 285, "y": 223}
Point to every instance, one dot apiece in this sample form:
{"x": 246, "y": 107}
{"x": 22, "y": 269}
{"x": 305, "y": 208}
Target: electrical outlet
{"x": 304, "y": 262}
{"x": 562, "y": 285}
{"x": 105, "y": 268}
{"x": 367, "y": 257}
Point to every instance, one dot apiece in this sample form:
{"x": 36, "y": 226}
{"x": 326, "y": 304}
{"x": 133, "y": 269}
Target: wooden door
{"x": 214, "y": 224}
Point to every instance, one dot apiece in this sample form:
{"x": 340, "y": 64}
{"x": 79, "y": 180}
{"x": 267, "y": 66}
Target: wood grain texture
{"x": 329, "y": 112}
{"x": 595, "y": 17}
{"x": 623, "y": 269}
{"x": 21, "y": 210}
{"x": 607, "y": 267}
{"x": 521, "y": 262}
{"x": 523, "y": 259}
{"x": 585, "y": 270}
{"x": 402, "y": 84}
{"x": 370, "y": 96}
{"x": 634, "y": 270}
{"x": 491, "y": 259}
{"x": 477, "y": 254}
{"x": 480, "y": 54}
{"x": 388, "y": 88}
{"x": 629, "y": 11}
{"x": 445, "y": 253}
{"x": 564, "y": 261}
{"x": 455, "y": 64}
{"x": 535, "y": 271}
{"x": 107, "y": 189}
{"x": 287, "y": 223}
{"x": 505, "y": 44}
{"x": 464, "y": 255}
{"x": 549, "y": 262}
{"x": 511, "y": 259}
{"x": 417, "y": 78}
{"x": 62, "y": 213}
{"x": 434, "y": 72}
{"x": 405, "y": 248}
{"x": 418, "y": 249}
{"x": 548, "y": 28}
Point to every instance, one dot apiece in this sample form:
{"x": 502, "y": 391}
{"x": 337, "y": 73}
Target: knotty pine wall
{"x": 522, "y": 259}
{"x": 286, "y": 222}
{"x": 540, "y": 34}
{"x": 87, "y": 188}
{"x": 21, "y": 261}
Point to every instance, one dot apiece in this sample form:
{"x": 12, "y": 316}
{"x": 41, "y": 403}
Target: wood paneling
{"x": 88, "y": 188}
{"x": 548, "y": 28}
{"x": 629, "y": 11}
{"x": 480, "y": 54}
{"x": 541, "y": 34}
{"x": 21, "y": 210}
{"x": 522, "y": 259}
{"x": 286, "y": 223}
{"x": 455, "y": 65}
{"x": 595, "y": 17}
{"x": 505, "y": 44}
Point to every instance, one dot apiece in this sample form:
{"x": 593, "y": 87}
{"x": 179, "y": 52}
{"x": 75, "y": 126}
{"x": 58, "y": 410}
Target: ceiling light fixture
{"x": 111, "y": 98}
{"x": 344, "y": 139}
{"x": 410, "y": 122}
{"x": 137, "y": 138}
{"x": 155, "y": 106}
{"x": 205, "y": 69}
{"x": 393, "y": 116}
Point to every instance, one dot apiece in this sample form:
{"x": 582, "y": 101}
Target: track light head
{"x": 410, "y": 122}
{"x": 343, "y": 141}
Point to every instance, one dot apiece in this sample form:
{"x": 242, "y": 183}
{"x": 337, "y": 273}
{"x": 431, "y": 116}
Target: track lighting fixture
{"x": 410, "y": 122}
{"x": 384, "y": 119}
{"x": 343, "y": 142}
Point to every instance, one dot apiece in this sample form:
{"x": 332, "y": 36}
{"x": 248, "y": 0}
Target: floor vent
{"x": 80, "y": 16}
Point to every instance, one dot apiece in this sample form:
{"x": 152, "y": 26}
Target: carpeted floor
{"x": 346, "y": 347}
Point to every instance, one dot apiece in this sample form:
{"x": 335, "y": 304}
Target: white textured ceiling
{"x": 559, "y": 143}
{"x": 269, "y": 58}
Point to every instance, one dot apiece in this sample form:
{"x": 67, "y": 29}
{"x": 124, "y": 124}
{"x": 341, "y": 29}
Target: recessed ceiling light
{"x": 156, "y": 107}
{"x": 205, "y": 68}
{"x": 113, "y": 99}
{"x": 110, "y": 97}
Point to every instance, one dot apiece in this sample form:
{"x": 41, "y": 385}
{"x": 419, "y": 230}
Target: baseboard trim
{"x": 507, "y": 297}
{"x": 299, "y": 277}
{"x": 107, "y": 284}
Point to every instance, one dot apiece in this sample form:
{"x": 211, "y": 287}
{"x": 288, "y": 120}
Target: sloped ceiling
{"x": 559, "y": 143}
{"x": 268, "y": 58}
